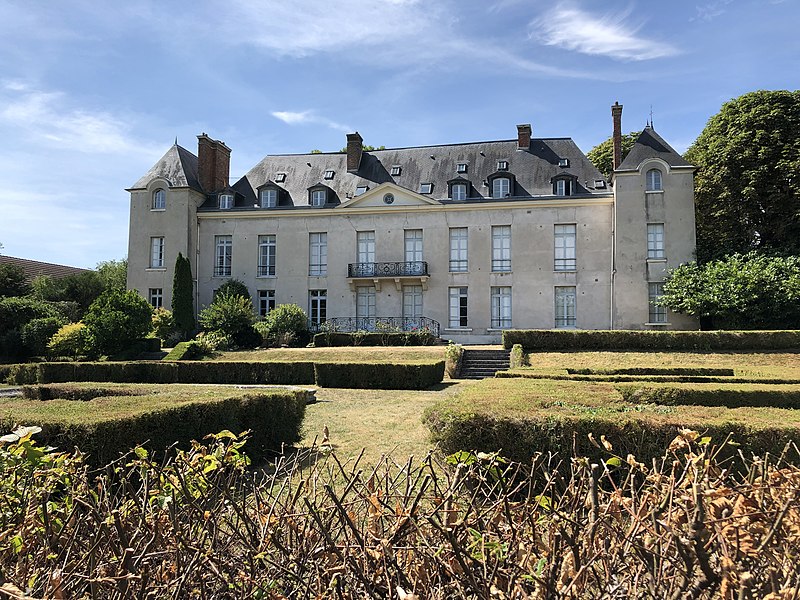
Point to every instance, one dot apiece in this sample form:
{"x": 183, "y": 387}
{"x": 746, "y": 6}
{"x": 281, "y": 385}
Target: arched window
{"x": 159, "y": 199}
{"x": 654, "y": 181}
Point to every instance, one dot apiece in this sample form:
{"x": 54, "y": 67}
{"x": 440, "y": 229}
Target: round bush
{"x": 116, "y": 319}
{"x": 288, "y": 323}
{"x": 71, "y": 340}
{"x": 36, "y": 333}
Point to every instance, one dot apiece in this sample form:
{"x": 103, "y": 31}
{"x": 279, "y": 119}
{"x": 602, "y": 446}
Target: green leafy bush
{"x": 164, "y": 324}
{"x": 116, "y": 319}
{"x": 185, "y": 351}
{"x": 379, "y": 376}
{"x": 232, "y": 316}
{"x": 36, "y": 334}
{"x": 71, "y": 340}
{"x": 453, "y": 355}
{"x": 517, "y": 357}
{"x": 367, "y": 338}
{"x": 233, "y": 287}
{"x": 287, "y": 324}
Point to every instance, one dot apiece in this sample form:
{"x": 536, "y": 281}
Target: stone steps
{"x": 480, "y": 364}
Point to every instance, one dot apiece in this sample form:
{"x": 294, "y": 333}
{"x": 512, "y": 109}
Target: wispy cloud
{"x": 710, "y": 10}
{"x": 306, "y": 117}
{"x": 613, "y": 35}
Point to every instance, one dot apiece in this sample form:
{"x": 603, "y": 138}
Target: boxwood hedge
{"x": 383, "y": 376}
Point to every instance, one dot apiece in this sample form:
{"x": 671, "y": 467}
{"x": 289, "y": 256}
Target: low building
{"x": 467, "y": 239}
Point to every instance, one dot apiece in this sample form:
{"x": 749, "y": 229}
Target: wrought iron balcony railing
{"x": 416, "y": 268}
{"x": 377, "y": 324}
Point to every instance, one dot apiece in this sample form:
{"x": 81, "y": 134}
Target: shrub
{"x": 210, "y": 342}
{"x": 379, "y": 376}
{"x": 547, "y": 339}
{"x": 16, "y": 312}
{"x": 164, "y": 324}
{"x": 233, "y": 287}
{"x": 287, "y": 319}
{"x": 13, "y": 281}
{"x": 231, "y": 316}
{"x": 453, "y": 355}
{"x": 185, "y": 351}
{"x": 517, "y": 358}
{"x": 367, "y": 338}
{"x": 116, "y": 319}
{"x": 36, "y": 334}
{"x": 71, "y": 340}
{"x": 730, "y": 396}
{"x": 183, "y": 297}
{"x": 22, "y": 374}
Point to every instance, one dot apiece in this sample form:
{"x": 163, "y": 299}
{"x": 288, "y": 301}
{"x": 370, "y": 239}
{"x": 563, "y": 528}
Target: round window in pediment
{"x": 388, "y": 198}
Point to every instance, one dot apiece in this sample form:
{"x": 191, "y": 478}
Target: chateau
{"x": 467, "y": 239}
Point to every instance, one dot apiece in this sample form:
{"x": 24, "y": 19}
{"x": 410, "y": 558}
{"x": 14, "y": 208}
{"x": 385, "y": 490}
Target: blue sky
{"x": 92, "y": 94}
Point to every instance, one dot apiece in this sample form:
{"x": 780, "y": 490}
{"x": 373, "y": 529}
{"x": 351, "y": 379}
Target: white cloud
{"x": 572, "y": 28}
{"x": 710, "y": 10}
{"x": 308, "y": 117}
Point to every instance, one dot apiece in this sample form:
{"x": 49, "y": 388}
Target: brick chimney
{"x": 616, "y": 115}
{"x": 524, "y": 136}
{"x": 213, "y": 164}
{"x": 354, "y": 150}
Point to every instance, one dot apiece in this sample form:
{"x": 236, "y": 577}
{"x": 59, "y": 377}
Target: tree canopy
{"x": 114, "y": 274}
{"x": 13, "y": 281}
{"x": 748, "y": 171}
{"x": 602, "y": 155}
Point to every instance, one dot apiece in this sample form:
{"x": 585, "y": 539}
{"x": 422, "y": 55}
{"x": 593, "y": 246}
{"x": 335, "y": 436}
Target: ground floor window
{"x": 657, "y": 314}
{"x": 156, "y": 297}
{"x": 317, "y": 306}
{"x": 565, "y": 307}
{"x": 266, "y": 301}
{"x": 365, "y": 304}
{"x": 458, "y": 307}
{"x": 501, "y": 307}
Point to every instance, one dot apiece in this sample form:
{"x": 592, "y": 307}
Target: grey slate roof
{"x": 533, "y": 170}
{"x": 178, "y": 166}
{"x": 651, "y": 145}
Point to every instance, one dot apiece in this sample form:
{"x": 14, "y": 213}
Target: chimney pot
{"x": 355, "y": 149}
{"x": 616, "y": 116}
{"x": 524, "y": 136}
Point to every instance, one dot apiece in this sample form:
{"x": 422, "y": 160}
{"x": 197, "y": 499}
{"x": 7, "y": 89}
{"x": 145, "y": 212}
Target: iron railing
{"x": 415, "y": 268}
{"x": 377, "y": 324}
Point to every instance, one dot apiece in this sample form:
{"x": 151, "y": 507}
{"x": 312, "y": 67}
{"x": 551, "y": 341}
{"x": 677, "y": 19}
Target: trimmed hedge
{"x": 561, "y": 374}
{"x": 379, "y": 376}
{"x": 546, "y": 340}
{"x": 274, "y": 416}
{"x": 403, "y": 338}
{"x": 728, "y": 396}
{"x": 701, "y": 371}
{"x": 184, "y": 351}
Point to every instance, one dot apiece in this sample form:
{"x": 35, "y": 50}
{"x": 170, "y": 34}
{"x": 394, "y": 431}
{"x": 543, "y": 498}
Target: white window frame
{"x": 155, "y": 296}
{"x": 412, "y": 245}
{"x": 365, "y": 247}
{"x": 395, "y": 170}
{"x": 564, "y": 238}
{"x": 329, "y": 174}
{"x": 654, "y": 181}
{"x": 501, "y": 187}
{"x": 223, "y": 255}
{"x": 566, "y": 307}
{"x": 226, "y": 201}
{"x": 317, "y": 306}
{"x": 159, "y": 201}
{"x": 655, "y": 241}
{"x": 501, "y": 248}
{"x": 266, "y": 302}
{"x": 461, "y": 167}
{"x": 267, "y": 251}
{"x": 157, "y": 252}
{"x": 459, "y": 249}
{"x": 412, "y": 302}
{"x": 318, "y": 254}
{"x": 656, "y": 314}
{"x": 426, "y": 188}
{"x": 319, "y": 197}
{"x": 268, "y": 198}
{"x": 458, "y": 307}
{"x": 501, "y": 307}
{"x": 365, "y": 302}
{"x": 458, "y": 191}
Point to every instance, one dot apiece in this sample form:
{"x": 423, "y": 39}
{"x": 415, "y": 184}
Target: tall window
{"x": 266, "y": 301}
{"x": 223, "y": 255}
{"x": 655, "y": 240}
{"x": 501, "y": 307}
{"x": 157, "y": 253}
{"x": 317, "y": 306}
{"x": 365, "y": 303}
{"x": 565, "y": 307}
{"x": 226, "y": 200}
{"x": 319, "y": 197}
{"x": 458, "y": 307}
{"x": 657, "y": 314}
{"x": 413, "y": 245}
{"x": 317, "y": 254}
{"x": 501, "y": 248}
{"x": 266, "y": 255}
{"x": 564, "y": 249}
{"x": 156, "y": 297}
{"x": 412, "y": 304}
{"x": 653, "y": 181}
{"x": 458, "y": 191}
{"x": 366, "y": 246}
{"x": 269, "y": 198}
{"x": 563, "y": 187}
{"x": 159, "y": 199}
{"x": 501, "y": 187}
{"x": 459, "y": 238}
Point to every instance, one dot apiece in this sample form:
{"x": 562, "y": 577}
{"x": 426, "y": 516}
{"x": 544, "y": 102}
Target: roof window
{"x": 461, "y": 167}
{"x": 600, "y": 184}
{"x": 361, "y": 189}
{"x": 226, "y": 200}
{"x": 280, "y": 177}
{"x": 563, "y": 163}
{"x": 396, "y": 170}
{"x": 502, "y": 165}
{"x": 425, "y": 188}
{"x": 329, "y": 174}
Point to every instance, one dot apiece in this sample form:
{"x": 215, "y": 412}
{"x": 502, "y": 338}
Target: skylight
{"x": 461, "y": 168}
{"x": 425, "y": 188}
{"x": 502, "y": 165}
{"x": 563, "y": 162}
{"x": 329, "y": 174}
{"x": 396, "y": 170}
{"x": 280, "y": 177}
{"x": 361, "y": 189}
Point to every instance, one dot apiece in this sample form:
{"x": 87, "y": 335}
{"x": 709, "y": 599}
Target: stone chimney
{"x": 213, "y": 164}
{"x": 354, "y": 150}
{"x": 616, "y": 115}
{"x": 524, "y": 136}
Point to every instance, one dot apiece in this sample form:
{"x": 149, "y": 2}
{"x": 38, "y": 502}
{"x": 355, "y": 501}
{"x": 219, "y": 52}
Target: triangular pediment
{"x": 377, "y": 196}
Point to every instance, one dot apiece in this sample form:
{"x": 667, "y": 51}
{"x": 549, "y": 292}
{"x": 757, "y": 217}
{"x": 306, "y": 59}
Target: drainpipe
{"x": 613, "y": 259}
{"x": 196, "y": 277}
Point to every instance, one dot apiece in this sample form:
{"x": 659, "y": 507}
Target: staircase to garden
{"x": 480, "y": 364}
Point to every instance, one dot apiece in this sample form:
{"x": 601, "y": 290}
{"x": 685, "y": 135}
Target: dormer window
{"x": 654, "y": 181}
{"x": 159, "y": 200}
{"x": 425, "y": 188}
{"x": 458, "y": 191}
{"x": 268, "y": 198}
{"x": 501, "y": 187}
{"x": 319, "y": 197}
{"x": 502, "y": 165}
{"x": 280, "y": 177}
{"x": 361, "y": 189}
{"x": 461, "y": 167}
{"x": 329, "y": 174}
{"x": 226, "y": 201}
{"x": 563, "y": 163}
{"x": 600, "y": 184}
{"x": 562, "y": 187}
{"x": 396, "y": 170}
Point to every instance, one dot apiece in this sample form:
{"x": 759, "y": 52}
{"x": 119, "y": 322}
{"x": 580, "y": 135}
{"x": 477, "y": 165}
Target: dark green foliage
{"x": 548, "y": 339}
{"x": 746, "y": 188}
{"x": 284, "y": 373}
{"x": 22, "y": 374}
{"x": 36, "y": 334}
{"x": 113, "y": 274}
{"x": 404, "y": 338}
{"x": 13, "y": 281}
{"x": 602, "y": 155}
{"x": 379, "y": 376}
{"x": 287, "y": 324}
{"x": 183, "y": 297}
{"x": 184, "y": 351}
{"x": 704, "y": 371}
{"x": 233, "y": 316}
{"x": 748, "y": 291}
{"x": 15, "y": 313}
{"x": 730, "y": 397}
{"x": 116, "y": 319}
{"x": 233, "y": 287}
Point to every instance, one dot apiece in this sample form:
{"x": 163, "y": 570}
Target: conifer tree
{"x": 182, "y": 297}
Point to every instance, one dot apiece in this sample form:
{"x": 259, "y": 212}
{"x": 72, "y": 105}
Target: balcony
{"x": 399, "y": 272}
{"x": 376, "y": 324}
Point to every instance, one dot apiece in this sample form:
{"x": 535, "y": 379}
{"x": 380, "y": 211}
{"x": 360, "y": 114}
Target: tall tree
{"x": 13, "y": 281}
{"x": 114, "y": 274}
{"x": 602, "y": 155}
{"x": 746, "y": 186}
{"x": 183, "y": 297}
